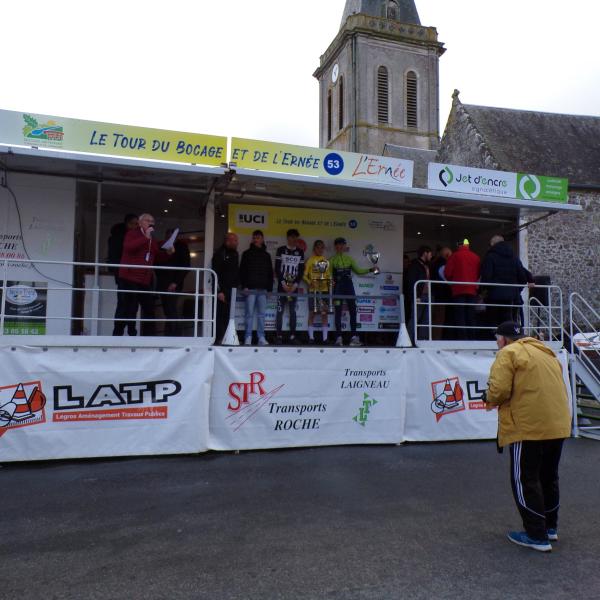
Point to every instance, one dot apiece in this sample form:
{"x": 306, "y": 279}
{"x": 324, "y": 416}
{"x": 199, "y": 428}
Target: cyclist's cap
{"x": 339, "y": 240}
{"x": 466, "y": 242}
{"x": 510, "y": 329}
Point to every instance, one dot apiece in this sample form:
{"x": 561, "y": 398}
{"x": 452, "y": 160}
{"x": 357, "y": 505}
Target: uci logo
{"x": 252, "y": 219}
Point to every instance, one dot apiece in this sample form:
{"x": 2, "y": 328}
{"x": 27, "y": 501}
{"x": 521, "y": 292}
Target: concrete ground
{"x": 358, "y": 523}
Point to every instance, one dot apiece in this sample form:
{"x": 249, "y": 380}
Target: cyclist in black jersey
{"x": 289, "y": 268}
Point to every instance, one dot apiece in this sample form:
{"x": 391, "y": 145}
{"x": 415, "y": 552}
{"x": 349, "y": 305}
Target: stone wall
{"x": 567, "y": 247}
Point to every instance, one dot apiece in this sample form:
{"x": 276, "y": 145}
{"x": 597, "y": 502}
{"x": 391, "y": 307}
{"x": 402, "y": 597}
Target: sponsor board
{"x": 258, "y": 402}
{"x": 321, "y": 162}
{"x": 501, "y": 184}
{"x": 76, "y": 135}
{"x": 94, "y": 403}
{"x": 326, "y": 225}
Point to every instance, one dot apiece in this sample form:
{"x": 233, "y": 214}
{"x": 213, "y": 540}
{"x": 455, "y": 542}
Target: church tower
{"x": 379, "y": 79}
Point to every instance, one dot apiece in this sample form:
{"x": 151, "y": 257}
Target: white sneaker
{"x": 339, "y": 341}
{"x": 355, "y": 341}
{"x": 248, "y": 342}
{"x": 263, "y": 342}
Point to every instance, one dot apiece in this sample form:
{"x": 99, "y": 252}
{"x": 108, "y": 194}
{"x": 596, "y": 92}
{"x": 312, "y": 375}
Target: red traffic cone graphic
{"x": 449, "y": 393}
{"x": 22, "y": 410}
{"x": 458, "y": 392}
{"x": 37, "y": 400}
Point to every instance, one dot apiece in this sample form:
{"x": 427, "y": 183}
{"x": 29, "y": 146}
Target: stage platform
{"x": 59, "y": 402}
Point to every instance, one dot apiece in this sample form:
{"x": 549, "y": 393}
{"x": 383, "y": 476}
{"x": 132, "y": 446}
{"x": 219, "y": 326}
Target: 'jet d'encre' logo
{"x": 446, "y": 176}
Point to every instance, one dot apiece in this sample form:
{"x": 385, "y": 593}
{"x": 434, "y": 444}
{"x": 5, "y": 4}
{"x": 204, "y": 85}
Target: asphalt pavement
{"x": 424, "y": 521}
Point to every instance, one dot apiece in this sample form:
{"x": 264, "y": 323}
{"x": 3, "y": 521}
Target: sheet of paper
{"x": 171, "y": 241}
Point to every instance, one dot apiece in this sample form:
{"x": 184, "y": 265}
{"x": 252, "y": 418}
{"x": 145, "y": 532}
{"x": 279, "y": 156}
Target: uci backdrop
{"x": 379, "y": 304}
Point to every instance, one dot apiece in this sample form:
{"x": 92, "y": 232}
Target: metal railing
{"x": 62, "y": 303}
{"x": 471, "y": 320}
{"x": 584, "y": 331}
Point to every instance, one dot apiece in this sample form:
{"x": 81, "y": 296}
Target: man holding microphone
{"x": 139, "y": 250}
{"x": 526, "y": 384}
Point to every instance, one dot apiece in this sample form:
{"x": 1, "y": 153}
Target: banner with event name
{"x": 522, "y": 186}
{"x": 265, "y": 399}
{"x": 76, "y": 135}
{"x": 378, "y": 305}
{"x": 58, "y": 403}
{"x": 444, "y": 395}
{"x": 321, "y": 162}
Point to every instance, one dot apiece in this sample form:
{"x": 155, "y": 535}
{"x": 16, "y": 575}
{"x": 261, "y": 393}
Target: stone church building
{"x": 379, "y": 94}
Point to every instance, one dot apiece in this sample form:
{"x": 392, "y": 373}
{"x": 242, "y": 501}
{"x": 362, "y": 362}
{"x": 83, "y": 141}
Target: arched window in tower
{"x": 329, "y": 115}
{"x": 341, "y": 103}
{"x": 412, "y": 121}
{"x": 392, "y": 10}
{"x": 383, "y": 96}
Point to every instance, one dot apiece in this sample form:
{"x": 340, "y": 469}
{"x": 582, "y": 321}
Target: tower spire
{"x": 404, "y": 11}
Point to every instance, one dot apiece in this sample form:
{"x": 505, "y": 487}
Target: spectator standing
{"x": 417, "y": 271}
{"x": 442, "y": 296}
{"x": 115, "y": 251}
{"x": 501, "y": 266}
{"x": 171, "y": 281}
{"x": 342, "y": 267}
{"x": 256, "y": 279}
{"x": 226, "y": 264}
{"x": 289, "y": 268}
{"x": 464, "y": 265}
{"x": 526, "y": 384}
{"x": 139, "y": 250}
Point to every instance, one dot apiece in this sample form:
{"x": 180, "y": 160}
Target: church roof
{"x": 543, "y": 143}
{"x": 406, "y": 10}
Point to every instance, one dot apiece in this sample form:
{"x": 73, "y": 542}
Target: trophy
{"x": 371, "y": 253}
{"x": 321, "y": 268}
{"x": 289, "y": 281}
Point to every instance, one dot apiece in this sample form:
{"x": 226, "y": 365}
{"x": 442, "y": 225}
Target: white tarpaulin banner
{"x": 64, "y": 404}
{"x": 444, "y": 395}
{"x": 286, "y": 398}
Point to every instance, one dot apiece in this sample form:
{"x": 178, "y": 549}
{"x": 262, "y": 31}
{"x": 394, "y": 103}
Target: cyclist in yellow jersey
{"x": 319, "y": 282}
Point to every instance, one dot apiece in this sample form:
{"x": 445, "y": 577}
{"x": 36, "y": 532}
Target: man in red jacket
{"x": 464, "y": 265}
{"x": 139, "y": 250}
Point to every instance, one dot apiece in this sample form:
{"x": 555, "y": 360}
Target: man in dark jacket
{"x": 501, "y": 266}
{"x": 172, "y": 281}
{"x": 256, "y": 279}
{"x": 226, "y": 264}
{"x": 418, "y": 270}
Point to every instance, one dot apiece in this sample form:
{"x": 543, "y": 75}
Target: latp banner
{"x": 321, "y": 162}
{"x": 444, "y": 395}
{"x": 288, "y": 398}
{"x": 76, "y": 135}
{"x": 58, "y": 403}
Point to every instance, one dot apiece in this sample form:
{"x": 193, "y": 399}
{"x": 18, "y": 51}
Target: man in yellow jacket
{"x": 526, "y": 384}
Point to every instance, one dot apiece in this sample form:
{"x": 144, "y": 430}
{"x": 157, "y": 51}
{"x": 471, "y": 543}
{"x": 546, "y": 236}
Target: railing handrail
{"x": 553, "y": 325}
{"x": 206, "y": 290}
{"x": 102, "y": 264}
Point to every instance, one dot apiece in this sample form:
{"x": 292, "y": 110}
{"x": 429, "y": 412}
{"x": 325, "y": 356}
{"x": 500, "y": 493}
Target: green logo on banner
{"x": 537, "y": 187}
{"x": 46, "y": 132}
{"x": 365, "y": 410}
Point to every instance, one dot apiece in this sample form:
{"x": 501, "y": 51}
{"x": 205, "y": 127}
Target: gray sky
{"x": 245, "y": 68}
